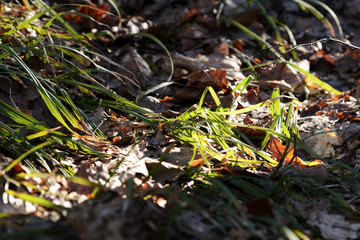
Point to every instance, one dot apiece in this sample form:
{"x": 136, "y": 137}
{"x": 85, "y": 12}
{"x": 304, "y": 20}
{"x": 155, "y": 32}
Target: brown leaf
{"x": 83, "y": 172}
{"x": 98, "y": 13}
{"x": 162, "y": 171}
{"x": 349, "y": 62}
{"x": 196, "y": 162}
{"x": 322, "y": 62}
{"x": 234, "y": 170}
{"x": 239, "y": 44}
{"x": 124, "y": 136}
{"x": 196, "y": 82}
{"x": 94, "y": 142}
{"x": 166, "y": 99}
{"x": 214, "y": 78}
{"x": 278, "y": 151}
{"x": 192, "y": 13}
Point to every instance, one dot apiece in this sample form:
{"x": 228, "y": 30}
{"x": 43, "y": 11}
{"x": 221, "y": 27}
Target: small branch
{"x": 327, "y": 39}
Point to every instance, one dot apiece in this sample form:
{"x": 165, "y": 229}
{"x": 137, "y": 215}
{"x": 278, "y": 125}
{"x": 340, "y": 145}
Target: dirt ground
{"x": 202, "y": 40}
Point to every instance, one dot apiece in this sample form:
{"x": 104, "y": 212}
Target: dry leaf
{"x": 334, "y": 226}
{"x": 322, "y": 143}
{"x": 202, "y": 62}
{"x": 97, "y": 13}
{"x": 196, "y": 162}
{"x": 278, "y": 151}
{"x": 215, "y": 78}
{"x": 162, "y": 171}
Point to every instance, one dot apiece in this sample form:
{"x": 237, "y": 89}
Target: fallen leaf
{"x": 95, "y": 142}
{"x": 192, "y": 13}
{"x": 234, "y": 170}
{"x": 162, "y": 171}
{"x": 158, "y": 140}
{"x": 239, "y": 44}
{"x": 349, "y": 62}
{"x": 248, "y": 130}
{"x": 160, "y": 201}
{"x": 322, "y": 62}
{"x": 217, "y": 60}
{"x": 214, "y": 78}
{"x": 193, "y": 85}
{"x": 322, "y": 142}
{"x": 166, "y": 99}
{"x": 95, "y": 13}
{"x": 312, "y": 86}
{"x": 124, "y": 136}
{"x": 334, "y": 226}
{"x": 278, "y": 150}
{"x": 196, "y": 162}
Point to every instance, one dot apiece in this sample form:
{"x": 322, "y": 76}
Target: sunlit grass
{"x": 208, "y": 131}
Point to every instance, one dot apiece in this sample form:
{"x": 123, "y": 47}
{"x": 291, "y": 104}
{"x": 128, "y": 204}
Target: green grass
{"x": 220, "y": 196}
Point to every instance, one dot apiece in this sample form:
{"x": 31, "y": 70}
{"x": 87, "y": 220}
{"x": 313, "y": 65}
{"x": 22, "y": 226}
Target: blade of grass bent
{"x": 48, "y": 24}
{"x": 69, "y": 29}
{"x": 16, "y": 161}
{"x": 41, "y": 133}
{"x": 254, "y": 35}
{"x": 155, "y": 39}
{"x": 332, "y": 13}
{"x": 114, "y": 4}
{"x": 34, "y": 199}
{"x": 322, "y": 84}
{"x": 291, "y": 36}
{"x": 248, "y": 109}
{"x": 317, "y": 14}
{"x": 272, "y": 24}
{"x": 153, "y": 89}
{"x": 52, "y": 102}
{"x": 20, "y": 117}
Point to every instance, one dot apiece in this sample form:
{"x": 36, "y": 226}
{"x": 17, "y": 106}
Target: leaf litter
{"x": 152, "y": 179}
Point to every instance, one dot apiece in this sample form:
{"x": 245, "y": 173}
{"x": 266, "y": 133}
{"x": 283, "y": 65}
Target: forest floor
{"x": 214, "y": 119}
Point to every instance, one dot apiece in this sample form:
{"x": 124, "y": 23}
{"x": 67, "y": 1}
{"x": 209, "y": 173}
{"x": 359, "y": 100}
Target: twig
{"x": 327, "y": 39}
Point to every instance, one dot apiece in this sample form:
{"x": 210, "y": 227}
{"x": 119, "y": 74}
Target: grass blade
{"x": 322, "y": 84}
{"x": 34, "y": 199}
{"x": 155, "y": 39}
{"x": 8, "y": 168}
{"x": 317, "y": 14}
